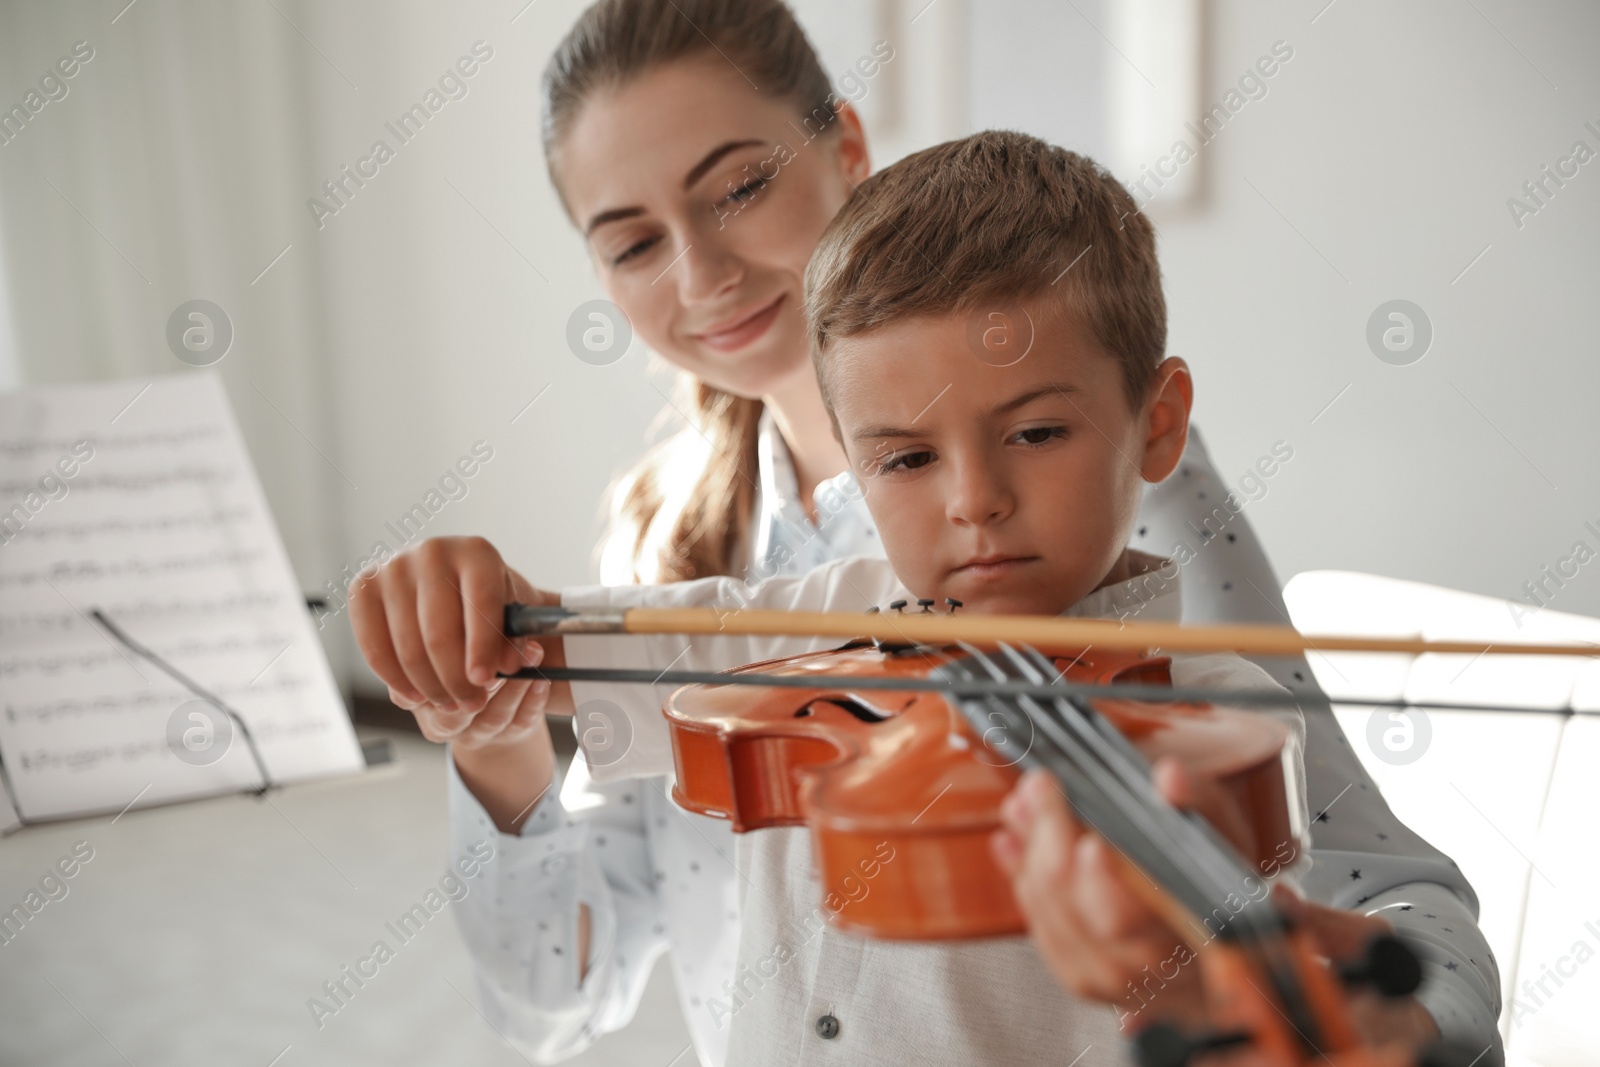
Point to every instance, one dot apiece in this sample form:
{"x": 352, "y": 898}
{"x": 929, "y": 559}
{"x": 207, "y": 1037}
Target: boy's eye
{"x": 908, "y": 461}
{"x": 638, "y": 248}
{"x": 1038, "y": 435}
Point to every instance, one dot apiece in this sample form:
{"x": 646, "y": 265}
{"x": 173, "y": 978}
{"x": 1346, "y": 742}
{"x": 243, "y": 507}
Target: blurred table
{"x": 198, "y": 932}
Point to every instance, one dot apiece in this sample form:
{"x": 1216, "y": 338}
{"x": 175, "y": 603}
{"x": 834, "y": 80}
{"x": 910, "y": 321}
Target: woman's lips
{"x": 742, "y": 330}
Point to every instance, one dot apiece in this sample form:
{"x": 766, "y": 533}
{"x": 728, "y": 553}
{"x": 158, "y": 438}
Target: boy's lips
{"x": 992, "y": 566}
{"x": 742, "y": 328}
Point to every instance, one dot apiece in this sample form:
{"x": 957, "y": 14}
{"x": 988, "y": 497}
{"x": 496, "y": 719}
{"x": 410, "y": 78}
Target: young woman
{"x": 699, "y": 148}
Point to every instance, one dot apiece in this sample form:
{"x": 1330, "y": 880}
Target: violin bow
{"x": 928, "y": 627}
{"x": 895, "y": 629}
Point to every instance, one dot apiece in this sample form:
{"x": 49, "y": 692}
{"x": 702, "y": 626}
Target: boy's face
{"x": 1011, "y": 488}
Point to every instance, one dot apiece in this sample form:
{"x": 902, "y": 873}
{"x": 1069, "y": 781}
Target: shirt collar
{"x": 780, "y": 488}
{"x": 1153, "y": 594}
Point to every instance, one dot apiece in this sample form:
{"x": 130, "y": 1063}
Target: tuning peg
{"x": 953, "y": 602}
{"x": 1163, "y": 1045}
{"x": 926, "y": 605}
{"x": 896, "y": 605}
{"x": 873, "y": 610}
{"x": 1388, "y": 965}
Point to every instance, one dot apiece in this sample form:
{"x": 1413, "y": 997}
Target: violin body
{"x": 901, "y": 795}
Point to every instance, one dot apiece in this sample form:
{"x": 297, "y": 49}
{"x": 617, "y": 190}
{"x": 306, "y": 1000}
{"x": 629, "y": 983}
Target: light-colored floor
{"x": 197, "y": 933}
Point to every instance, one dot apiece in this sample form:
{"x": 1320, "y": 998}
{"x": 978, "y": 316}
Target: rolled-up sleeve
{"x": 521, "y": 925}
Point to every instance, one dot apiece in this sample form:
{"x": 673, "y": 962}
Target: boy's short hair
{"x": 982, "y": 222}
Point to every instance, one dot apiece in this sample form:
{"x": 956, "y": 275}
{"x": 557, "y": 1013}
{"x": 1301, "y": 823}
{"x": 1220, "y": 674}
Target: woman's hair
{"x": 971, "y": 226}
{"x": 669, "y": 532}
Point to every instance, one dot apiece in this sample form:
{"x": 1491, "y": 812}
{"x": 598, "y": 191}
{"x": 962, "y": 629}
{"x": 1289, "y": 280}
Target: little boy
{"x": 989, "y": 333}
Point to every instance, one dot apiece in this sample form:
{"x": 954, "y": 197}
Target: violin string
{"x": 1101, "y": 812}
{"x": 1172, "y": 832}
{"x": 1228, "y": 876}
{"x": 1154, "y": 694}
{"x": 1197, "y": 837}
{"x": 1085, "y": 794}
{"x": 1100, "y": 738}
{"x": 1106, "y": 803}
{"x": 1257, "y": 929}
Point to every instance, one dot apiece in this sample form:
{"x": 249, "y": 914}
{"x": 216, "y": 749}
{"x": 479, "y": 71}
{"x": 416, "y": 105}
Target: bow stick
{"x": 926, "y": 627}
{"x": 522, "y": 620}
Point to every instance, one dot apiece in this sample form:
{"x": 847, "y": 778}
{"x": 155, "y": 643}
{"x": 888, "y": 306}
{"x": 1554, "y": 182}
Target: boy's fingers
{"x": 497, "y": 714}
{"x": 530, "y": 705}
{"x": 1047, "y": 848}
{"x": 400, "y": 613}
{"x": 404, "y": 701}
{"x": 443, "y": 625}
{"x": 1340, "y": 934}
{"x": 1174, "y": 782}
{"x": 485, "y": 588}
{"x": 1007, "y": 850}
{"x": 371, "y": 629}
{"x": 1048, "y": 815}
{"x": 1110, "y": 910}
{"x": 1190, "y": 792}
{"x": 517, "y": 653}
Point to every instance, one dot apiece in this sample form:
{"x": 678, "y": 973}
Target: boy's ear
{"x": 1167, "y": 419}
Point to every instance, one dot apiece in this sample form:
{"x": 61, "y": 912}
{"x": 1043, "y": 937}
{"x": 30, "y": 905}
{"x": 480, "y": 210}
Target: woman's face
{"x": 702, "y": 200}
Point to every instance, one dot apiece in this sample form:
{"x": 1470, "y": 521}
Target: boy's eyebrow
{"x": 1029, "y": 396}
{"x": 1019, "y": 401}
{"x": 696, "y": 172}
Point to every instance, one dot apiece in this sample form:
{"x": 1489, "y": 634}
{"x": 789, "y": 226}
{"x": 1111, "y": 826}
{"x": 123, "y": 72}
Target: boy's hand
{"x": 429, "y": 623}
{"x": 1094, "y": 934}
{"x": 1098, "y": 938}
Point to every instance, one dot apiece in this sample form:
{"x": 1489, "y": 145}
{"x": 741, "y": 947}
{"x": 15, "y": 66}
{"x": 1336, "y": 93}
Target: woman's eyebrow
{"x": 611, "y": 215}
{"x": 696, "y": 172}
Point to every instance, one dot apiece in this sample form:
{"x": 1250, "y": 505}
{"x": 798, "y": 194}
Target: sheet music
{"x": 138, "y": 498}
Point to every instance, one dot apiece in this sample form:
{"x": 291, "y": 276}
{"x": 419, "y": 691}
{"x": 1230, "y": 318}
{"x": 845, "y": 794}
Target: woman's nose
{"x": 705, "y": 270}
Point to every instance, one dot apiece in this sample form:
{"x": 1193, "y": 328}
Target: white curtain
{"x": 159, "y": 178}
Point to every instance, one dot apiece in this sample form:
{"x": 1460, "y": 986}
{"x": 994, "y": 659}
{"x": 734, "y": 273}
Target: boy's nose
{"x": 979, "y": 495}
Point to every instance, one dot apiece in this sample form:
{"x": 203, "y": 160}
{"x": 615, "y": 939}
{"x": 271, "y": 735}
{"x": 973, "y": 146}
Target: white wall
{"x": 1377, "y": 167}
{"x": 1392, "y": 142}
{"x": 427, "y": 313}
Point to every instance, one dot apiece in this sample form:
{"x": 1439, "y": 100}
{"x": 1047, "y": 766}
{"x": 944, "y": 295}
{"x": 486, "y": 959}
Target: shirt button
{"x": 827, "y": 1027}
{"x": 553, "y": 864}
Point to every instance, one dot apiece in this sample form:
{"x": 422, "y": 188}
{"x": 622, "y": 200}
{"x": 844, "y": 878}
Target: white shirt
{"x": 655, "y": 877}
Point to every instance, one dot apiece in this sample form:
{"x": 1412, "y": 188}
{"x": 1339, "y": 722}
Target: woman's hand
{"x": 429, "y": 623}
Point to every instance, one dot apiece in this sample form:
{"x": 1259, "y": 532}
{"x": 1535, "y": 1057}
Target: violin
{"x": 904, "y": 774}
{"x": 896, "y": 749}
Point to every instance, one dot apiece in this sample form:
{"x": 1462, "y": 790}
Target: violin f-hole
{"x": 847, "y": 704}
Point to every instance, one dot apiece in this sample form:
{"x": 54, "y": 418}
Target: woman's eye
{"x": 746, "y": 191}
{"x": 638, "y": 248}
{"x": 908, "y": 461}
{"x": 1039, "y": 435}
